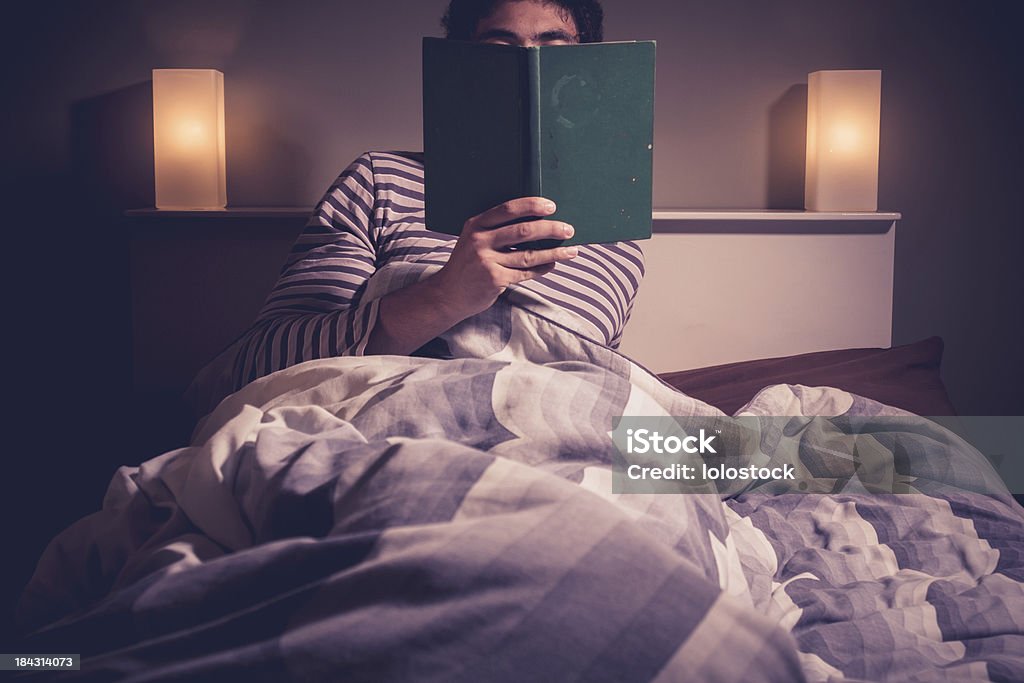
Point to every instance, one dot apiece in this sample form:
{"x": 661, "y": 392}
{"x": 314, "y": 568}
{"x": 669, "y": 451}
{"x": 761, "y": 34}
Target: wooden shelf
{"x": 772, "y": 215}
{"x": 230, "y": 212}
{"x": 659, "y": 214}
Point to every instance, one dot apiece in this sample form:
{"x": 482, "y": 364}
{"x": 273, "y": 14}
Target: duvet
{"x": 398, "y": 518}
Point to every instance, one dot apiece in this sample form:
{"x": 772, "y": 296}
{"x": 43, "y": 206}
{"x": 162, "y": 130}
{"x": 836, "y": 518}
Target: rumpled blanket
{"x": 396, "y": 518}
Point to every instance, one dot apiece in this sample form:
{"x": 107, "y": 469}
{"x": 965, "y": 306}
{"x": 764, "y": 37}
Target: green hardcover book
{"x": 573, "y": 123}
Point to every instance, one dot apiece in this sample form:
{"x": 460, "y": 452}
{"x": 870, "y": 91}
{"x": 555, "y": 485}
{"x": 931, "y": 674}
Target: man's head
{"x": 525, "y": 22}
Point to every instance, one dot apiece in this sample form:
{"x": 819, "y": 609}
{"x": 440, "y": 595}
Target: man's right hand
{"x": 481, "y": 267}
{"x": 478, "y": 271}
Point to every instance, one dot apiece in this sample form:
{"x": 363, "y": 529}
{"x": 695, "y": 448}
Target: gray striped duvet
{"x": 392, "y": 518}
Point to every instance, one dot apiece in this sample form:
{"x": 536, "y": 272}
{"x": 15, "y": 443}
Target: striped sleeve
{"x": 315, "y": 309}
{"x": 616, "y": 340}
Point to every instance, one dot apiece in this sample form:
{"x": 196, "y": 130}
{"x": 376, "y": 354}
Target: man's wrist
{"x": 445, "y": 301}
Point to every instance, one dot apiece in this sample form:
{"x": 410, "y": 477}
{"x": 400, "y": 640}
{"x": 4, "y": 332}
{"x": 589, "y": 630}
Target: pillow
{"x": 904, "y": 376}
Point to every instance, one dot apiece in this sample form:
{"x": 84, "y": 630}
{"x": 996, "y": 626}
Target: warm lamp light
{"x": 842, "y": 140}
{"x": 188, "y": 138}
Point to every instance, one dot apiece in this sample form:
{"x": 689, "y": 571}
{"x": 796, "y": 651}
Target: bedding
{"x": 398, "y": 518}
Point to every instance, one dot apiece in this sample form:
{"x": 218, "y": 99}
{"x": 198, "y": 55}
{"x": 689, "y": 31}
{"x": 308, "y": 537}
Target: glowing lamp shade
{"x": 188, "y": 138}
{"x": 842, "y": 140}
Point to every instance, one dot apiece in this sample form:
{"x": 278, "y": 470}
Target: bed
{"x": 404, "y": 518}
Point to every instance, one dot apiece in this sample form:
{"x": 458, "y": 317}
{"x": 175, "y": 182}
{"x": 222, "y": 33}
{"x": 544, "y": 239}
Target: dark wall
{"x": 312, "y": 84}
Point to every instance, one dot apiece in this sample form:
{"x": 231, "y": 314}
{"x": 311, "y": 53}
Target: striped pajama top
{"x": 373, "y": 215}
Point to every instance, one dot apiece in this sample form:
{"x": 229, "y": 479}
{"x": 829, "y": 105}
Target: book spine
{"x": 532, "y": 185}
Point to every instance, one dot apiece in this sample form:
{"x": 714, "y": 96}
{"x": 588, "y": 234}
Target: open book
{"x": 573, "y": 123}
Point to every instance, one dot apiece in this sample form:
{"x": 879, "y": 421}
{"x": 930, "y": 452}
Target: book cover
{"x": 573, "y": 123}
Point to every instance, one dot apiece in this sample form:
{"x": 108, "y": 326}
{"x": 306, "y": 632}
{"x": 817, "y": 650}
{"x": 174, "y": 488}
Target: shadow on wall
{"x": 112, "y": 149}
{"x": 111, "y": 169}
{"x": 787, "y": 146}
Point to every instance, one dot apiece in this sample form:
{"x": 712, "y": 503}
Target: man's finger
{"x": 517, "y": 233}
{"x": 512, "y": 210}
{"x": 522, "y": 275}
{"x": 532, "y": 258}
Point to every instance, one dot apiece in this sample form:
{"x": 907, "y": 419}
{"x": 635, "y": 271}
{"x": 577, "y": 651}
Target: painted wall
{"x": 311, "y": 84}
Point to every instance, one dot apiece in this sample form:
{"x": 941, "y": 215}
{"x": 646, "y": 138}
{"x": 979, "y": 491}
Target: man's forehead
{"x": 528, "y": 19}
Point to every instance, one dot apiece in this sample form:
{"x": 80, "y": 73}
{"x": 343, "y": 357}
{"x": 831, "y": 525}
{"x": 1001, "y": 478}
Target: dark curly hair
{"x": 462, "y": 16}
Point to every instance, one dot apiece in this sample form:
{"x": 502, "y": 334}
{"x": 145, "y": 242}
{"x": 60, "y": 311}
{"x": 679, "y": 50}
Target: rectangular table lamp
{"x": 188, "y": 139}
{"x": 843, "y": 109}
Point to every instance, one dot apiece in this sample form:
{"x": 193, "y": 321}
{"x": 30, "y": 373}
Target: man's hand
{"x": 478, "y": 271}
{"x": 481, "y": 267}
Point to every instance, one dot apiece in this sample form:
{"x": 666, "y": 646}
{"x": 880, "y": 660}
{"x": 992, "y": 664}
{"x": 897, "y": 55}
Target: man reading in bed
{"x": 373, "y": 215}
